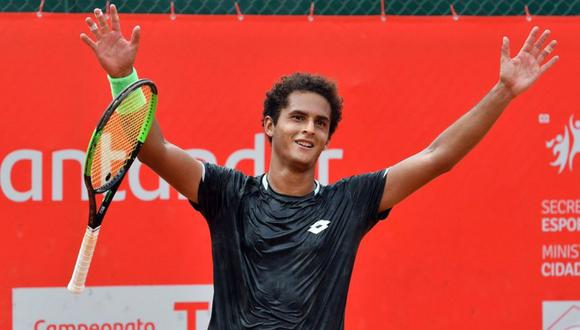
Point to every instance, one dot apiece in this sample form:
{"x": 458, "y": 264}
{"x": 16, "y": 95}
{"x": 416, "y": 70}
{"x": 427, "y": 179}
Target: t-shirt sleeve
{"x": 220, "y": 188}
{"x": 366, "y": 190}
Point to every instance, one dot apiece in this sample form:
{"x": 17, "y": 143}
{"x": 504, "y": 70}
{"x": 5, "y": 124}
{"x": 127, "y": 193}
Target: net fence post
{"x": 239, "y": 11}
{"x": 528, "y": 15}
{"x": 40, "y": 8}
{"x": 383, "y": 12}
{"x": 454, "y": 13}
{"x": 172, "y": 10}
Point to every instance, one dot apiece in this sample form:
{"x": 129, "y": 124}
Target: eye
{"x": 321, "y": 123}
{"x": 297, "y": 117}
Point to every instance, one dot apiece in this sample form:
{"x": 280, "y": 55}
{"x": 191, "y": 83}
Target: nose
{"x": 308, "y": 127}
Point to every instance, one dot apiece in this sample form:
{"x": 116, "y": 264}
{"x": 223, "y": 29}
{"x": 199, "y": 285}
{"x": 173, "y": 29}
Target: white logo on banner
{"x": 566, "y": 145}
{"x": 160, "y": 307}
{"x": 561, "y": 315}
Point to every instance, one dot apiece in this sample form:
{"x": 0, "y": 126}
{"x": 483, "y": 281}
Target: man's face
{"x": 301, "y": 133}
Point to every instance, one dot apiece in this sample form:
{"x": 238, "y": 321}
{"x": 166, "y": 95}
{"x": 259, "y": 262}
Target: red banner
{"x": 493, "y": 244}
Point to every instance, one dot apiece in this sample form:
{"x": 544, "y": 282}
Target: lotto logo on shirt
{"x": 185, "y": 307}
{"x": 319, "y": 226}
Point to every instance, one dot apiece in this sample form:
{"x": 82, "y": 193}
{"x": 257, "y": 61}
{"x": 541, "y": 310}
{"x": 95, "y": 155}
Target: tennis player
{"x": 284, "y": 245}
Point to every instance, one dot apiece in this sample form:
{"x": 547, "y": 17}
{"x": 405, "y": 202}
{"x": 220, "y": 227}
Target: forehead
{"x": 309, "y": 102}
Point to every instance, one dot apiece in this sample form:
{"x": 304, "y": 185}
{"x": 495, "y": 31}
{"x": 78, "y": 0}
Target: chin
{"x": 299, "y": 160}
{"x": 304, "y": 163}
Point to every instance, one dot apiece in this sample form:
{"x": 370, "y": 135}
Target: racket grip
{"x": 77, "y": 282}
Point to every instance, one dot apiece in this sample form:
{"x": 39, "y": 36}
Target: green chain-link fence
{"x": 302, "y": 7}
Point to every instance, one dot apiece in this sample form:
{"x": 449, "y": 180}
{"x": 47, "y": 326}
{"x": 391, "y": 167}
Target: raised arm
{"x": 117, "y": 56}
{"x": 516, "y": 75}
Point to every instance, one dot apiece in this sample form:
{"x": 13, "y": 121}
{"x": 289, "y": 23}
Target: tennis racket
{"x": 112, "y": 149}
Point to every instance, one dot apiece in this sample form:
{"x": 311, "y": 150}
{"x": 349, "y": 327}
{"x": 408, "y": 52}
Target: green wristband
{"x": 118, "y": 84}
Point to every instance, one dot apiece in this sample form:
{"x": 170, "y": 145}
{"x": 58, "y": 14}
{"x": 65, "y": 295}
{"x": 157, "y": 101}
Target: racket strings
{"x": 119, "y": 137}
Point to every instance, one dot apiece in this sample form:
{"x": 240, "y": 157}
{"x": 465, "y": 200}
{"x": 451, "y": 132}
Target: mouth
{"x": 304, "y": 144}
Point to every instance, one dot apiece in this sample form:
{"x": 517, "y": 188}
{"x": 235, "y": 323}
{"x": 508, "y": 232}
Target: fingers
{"x": 136, "y": 36}
{"x": 529, "y": 43}
{"x": 547, "y": 51}
{"x": 88, "y": 41}
{"x": 549, "y": 64}
{"x": 93, "y": 27}
{"x": 505, "y": 50}
{"x": 115, "y": 22}
{"x": 535, "y": 48}
{"x": 102, "y": 20}
{"x": 540, "y": 43}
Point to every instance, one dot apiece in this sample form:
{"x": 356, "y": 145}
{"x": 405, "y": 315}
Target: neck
{"x": 289, "y": 181}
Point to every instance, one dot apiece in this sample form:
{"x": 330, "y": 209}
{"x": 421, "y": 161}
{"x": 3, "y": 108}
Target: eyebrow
{"x": 301, "y": 112}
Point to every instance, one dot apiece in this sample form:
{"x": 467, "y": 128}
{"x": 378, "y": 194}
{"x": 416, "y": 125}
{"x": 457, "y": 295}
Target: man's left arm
{"x": 516, "y": 75}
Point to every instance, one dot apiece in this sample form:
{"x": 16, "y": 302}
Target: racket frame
{"x": 77, "y": 282}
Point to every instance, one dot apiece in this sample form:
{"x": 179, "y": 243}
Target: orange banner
{"x": 493, "y": 244}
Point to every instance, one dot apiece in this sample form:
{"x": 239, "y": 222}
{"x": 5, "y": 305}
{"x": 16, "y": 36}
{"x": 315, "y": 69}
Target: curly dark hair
{"x": 277, "y": 97}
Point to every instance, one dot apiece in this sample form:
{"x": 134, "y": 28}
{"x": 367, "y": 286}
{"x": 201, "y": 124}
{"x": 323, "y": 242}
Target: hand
{"x": 115, "y": 53}
{"x": 519, "y": 73}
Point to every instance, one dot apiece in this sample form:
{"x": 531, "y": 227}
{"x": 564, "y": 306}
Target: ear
{"x": 269, "y": 126}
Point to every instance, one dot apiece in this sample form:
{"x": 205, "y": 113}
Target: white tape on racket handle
{"x": 77, "y": 282}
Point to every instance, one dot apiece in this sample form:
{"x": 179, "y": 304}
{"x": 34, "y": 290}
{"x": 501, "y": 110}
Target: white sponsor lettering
{"x": 556, "y": 225}
{"x": 561, "y": 206}
{"x": 176, "y": 307}
{"x": 560, "y": 269}
{"x": 162, "y": 192}
{"x": 560, "y": 251}
{"x": 35, "y": 191}
{"x": 560, "y": 216}
{"x": 58, "y": 158}
{"x": 319, "y": 226}
{"x": 323, "y": 161}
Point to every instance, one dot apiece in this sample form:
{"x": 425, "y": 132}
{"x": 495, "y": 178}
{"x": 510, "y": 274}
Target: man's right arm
{"x": 117, "y": 56}
{"x": 173, "y": 164}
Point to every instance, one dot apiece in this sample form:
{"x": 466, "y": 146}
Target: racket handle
{"x": 77, "y": 282}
